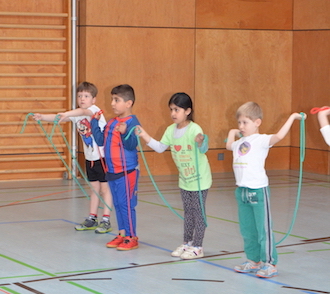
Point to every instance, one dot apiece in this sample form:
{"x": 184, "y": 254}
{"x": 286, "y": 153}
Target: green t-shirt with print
{"x": 184, "y": 153}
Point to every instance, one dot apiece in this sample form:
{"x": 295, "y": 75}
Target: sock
{"x": 106, "y": 218}
{"x": 189, "y": 243}
{"x": 92, "y": 216}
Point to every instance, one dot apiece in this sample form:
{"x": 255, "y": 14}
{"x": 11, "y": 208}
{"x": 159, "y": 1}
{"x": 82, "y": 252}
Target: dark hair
{"x": 184, "y": 101}
{"x": 124, "y": 91}
{"x": 87, "y": 87}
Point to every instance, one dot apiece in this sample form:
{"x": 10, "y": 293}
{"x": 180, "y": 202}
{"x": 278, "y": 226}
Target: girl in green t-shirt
{"x": 195, "y": 178}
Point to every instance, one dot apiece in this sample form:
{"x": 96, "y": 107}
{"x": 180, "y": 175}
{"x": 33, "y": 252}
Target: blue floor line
{"x": 167, "y": 250}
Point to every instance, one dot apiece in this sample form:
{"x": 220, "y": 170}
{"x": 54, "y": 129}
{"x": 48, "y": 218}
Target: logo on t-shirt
{"x": 85, "y": 130}
{"x": 244, "y": 148}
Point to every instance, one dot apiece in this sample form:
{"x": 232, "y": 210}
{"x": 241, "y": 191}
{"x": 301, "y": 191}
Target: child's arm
{"x": 65, "y": 116}
{"x": 96, "y": 131}
{"x": 285, "y": 128}
{"x": 231, "y": 137}
{"x": 323, "y": 117}
{"x": 44, "y": 117}
{"x": 157, "y": 146}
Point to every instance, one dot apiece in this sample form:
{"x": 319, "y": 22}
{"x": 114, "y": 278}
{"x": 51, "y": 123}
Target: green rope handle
{"x": 301, "y": 160}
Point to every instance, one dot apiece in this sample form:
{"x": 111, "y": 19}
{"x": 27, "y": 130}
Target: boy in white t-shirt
{"x": 95, "y": 168}
{"x": 324, "y": 123}
{"x": 252, "y": 193}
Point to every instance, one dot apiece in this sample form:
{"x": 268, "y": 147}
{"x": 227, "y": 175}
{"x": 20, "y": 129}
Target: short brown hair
{"x": 87, "y": 87}
{"x": 252, "y": 110}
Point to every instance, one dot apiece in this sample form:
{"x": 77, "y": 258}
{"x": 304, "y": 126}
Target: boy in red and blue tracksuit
{"x": 122, "y": 164}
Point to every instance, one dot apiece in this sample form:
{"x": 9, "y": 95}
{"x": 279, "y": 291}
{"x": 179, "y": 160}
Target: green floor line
{"x": 84, "y": 288}
{"x": 27, "y": 265}
{"x": 315, "y": 250}
{"x": 84, "y": 271}
{"x": 45, "y": 272}
{"x": 226, "y": 258}
{"x": 15, "y": 277}
{"x": 285, "y": 253}
{"x": 10, "y": 290}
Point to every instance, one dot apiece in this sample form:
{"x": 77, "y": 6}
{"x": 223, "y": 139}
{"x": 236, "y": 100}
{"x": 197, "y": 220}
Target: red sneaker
{"x": 129, "y": 243}
{"x": 115, "y": 242}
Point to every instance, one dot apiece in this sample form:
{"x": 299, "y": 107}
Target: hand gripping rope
{"x": 155, "y": 185}
{"x": 50, "y": 139}
{"x": 301, "y": 160}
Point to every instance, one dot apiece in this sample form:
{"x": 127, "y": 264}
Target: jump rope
{"x": 49, "y": 137}
{"x": 155, "y": 185}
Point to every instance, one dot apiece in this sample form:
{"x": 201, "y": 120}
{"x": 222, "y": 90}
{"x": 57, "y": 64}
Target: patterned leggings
{"x": 194, "y": 224}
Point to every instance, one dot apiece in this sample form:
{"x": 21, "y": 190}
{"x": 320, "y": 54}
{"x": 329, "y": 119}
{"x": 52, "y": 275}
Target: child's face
{"x": 121, "y": 107}
{"x": 247, "y": 126}
{"x": 179, "y": 115}
{"x": 85, "y": 99}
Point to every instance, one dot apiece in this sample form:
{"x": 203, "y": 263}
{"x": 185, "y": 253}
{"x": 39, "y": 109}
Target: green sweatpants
{"x": 256, "y": 224}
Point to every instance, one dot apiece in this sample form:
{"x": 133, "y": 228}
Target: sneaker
{"x": 88, "y": 224}
{"x": 267, "y": 271}
{"x": 104, "y": 227}
{"x": 129, "y": 243}
{"x": 248, "y": 267}
{"x": 115, "y": 242}
{"x": 179, "y": 251}
{"x": 192, "y": 253}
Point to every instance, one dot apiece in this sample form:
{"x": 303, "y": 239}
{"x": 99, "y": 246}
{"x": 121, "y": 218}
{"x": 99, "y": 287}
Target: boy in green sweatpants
{"x": 252, "y": 192}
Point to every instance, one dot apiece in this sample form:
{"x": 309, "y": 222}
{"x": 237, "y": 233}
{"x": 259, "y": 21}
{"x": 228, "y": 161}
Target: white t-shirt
{"x": 91, "y": 150}
{"x": 249, "y": 155}
{"x": 326, "y": 134}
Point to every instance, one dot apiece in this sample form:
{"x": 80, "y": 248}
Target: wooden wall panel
{"x": 133, "y": 13}
{"x": 309, "y": 15}
{"x": 156, "y": 68}
{"x": 311, "y": 81}
{"x": 34, "y": 77}
{"x": 233, "y": 67}
{"x": 242, "y": 14}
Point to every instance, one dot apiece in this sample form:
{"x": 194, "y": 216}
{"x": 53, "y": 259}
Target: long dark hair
{"x": 184, "y": 101}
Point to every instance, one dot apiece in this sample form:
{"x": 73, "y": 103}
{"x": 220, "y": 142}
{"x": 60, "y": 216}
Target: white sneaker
{"x": 178, "y": 251}
{"x": 248, "y": 267}
{"x": 192, "y": 253}
{"x": 267, "y": 271}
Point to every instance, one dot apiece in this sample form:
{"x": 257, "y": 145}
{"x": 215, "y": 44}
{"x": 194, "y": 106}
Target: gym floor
{"x": 40, "y": 252}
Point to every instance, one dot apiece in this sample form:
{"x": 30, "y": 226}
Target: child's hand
{"x": 199, "y": 139}
{"x": 37, "y": 116}
{"x": 139, "y": 131}
{"x": 326, "y": 110}
{"x": 299, "y": 116}
{"x": 121, "y": 128}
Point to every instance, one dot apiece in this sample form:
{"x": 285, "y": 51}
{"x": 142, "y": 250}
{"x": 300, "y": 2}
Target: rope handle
{"x": 318, "y": 109}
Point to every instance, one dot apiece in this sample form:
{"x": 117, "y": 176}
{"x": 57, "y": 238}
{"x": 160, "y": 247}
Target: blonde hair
{"x": 251, "y": 110}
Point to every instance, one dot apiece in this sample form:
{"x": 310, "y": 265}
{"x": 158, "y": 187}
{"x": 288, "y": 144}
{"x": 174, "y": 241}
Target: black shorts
{"x": 95, "y": 171}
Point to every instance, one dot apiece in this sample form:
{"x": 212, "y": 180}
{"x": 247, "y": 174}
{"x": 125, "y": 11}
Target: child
{"x": 122, "y": 163}
{"x": 86, "y": 97}
{"x": 252, "y": 193}
{"x": 324, "y": 123}
{"x": 181, "y": 137}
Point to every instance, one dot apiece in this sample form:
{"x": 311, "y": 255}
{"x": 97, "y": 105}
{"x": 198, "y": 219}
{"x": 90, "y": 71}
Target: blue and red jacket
{"x": 120, "y": 154}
